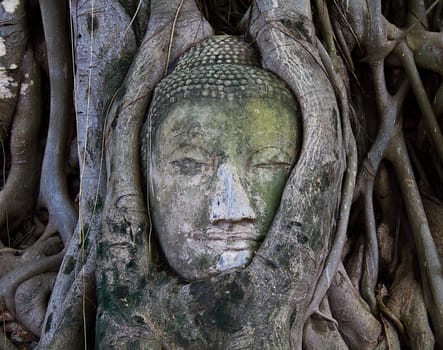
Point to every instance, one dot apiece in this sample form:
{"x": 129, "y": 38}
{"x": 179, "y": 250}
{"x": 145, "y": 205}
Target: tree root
{"x": 18, "y": 196}
{"x": 14, "y": 38}
{"x": 335, "y": 253}
{"x": 11, "y": 280}
{"x": 388, "y": 226}
{"x": 11, "y": 259}
{"x": 31, "y": 300}
{"x": 125, "y": 223}
{"x": 358, "y": 326}
{"x": 428, "y": 258}
{"x": 407, "y": 304}
{"x": 434, "y": 212}
{"x": 291, "y": 52}
{"x": 75, "y": 329}
{"x": 102, "y": 58}
{"x": 53, "y": 187}
{"x": 428, "y": 115}
{"x": 320, "y": 333}
{"x": 354, "y": 264}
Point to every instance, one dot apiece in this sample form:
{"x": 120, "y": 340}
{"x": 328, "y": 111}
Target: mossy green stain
{"x": 121, "y": 292}
{"x": 95, "y": 204}
{"x": 102, "y": 249}
{"x": 69, "y": 265}
{"x": 116, "y": 73}
{"x": 142, "y": 283}
{"x": 287, "y": 124}
{"x": 116, "y": 276}
{"x": 133, "y": 344}
{"x": 131, "y": 264}
{"x": 176, "y": 328}
{"x": 103, "y": 330}
{"x": 226, "y": 308}
{"x": 91, "y": 23}
{"x": 236, "y": 293}
{"x": 284, "y": 257}
{"x": 103, "y": 293}
{"x": 223, "y": 318}
{"x": 48, "y": 323}
{"x": 84, "y": 237}
{"x": 206, "y": 261}
{"x": 181, "y": 340}
{"x": 121, "y": 228}
{"x": 298, "y": 26}
{"x": 220, "y": 306}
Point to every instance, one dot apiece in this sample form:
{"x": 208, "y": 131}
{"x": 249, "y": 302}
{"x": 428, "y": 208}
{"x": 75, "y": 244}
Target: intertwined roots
{"x": 368, "y": 81}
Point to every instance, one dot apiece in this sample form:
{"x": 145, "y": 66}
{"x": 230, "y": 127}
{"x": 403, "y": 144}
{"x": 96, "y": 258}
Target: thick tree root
{"x": 12, "y": 259}
{"x": 103, "y": 58}
{"x": 31, "y": 300}
{"x": 321, "y": 333}
{"x": 434, "y": 212}
{"x": 18, "y": 196}
{"x": 11, "y": 280}
{"x": 53, "y": 187}
{"x": 386, "y": 194}
{"x": 173, "y": 27}
{"x": 428, "y": 258}
{"x": 336, "y": 251}
{"x": 407, "y": 304}
{"x": 13, "y": 41}
{"x": 358, "y": 327}
{"x": 125, "y": 218}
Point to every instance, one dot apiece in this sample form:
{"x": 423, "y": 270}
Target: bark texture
{"x": 353, "y": 259}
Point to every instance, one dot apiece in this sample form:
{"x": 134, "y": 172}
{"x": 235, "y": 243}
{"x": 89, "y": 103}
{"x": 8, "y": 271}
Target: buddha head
{"x": 220, "y": 140}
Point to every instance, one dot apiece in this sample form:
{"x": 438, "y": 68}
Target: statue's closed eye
{"x": 272, "y": 165}
{"x": 270, "y": 158}
{"x": 189, "y": 166}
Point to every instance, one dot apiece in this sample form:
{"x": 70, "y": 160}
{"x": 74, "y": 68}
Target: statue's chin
{"x": 206, "y": 267}
{"x": 232, "y": 259}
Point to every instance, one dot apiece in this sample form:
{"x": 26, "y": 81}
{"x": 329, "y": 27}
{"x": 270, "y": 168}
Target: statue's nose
{"x": 230, "y": 202}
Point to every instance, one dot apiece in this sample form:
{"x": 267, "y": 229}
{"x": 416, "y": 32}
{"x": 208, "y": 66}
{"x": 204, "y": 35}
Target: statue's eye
{"x": 270, "y": 158}
{"x": 190, "y": 159}
{"x": 189, "y": 166}
{"x": 272, "y": 165}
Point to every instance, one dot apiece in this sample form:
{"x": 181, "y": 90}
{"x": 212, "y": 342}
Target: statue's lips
{"x": 227, "y": 235}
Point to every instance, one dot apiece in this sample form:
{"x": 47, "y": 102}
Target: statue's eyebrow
{"x": 277, "y": 148}
{"x": 189, "y": 129}
{"x": 188, "y": 145}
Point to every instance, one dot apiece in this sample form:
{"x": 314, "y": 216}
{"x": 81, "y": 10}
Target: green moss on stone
{"x": 96, "y": 204}
{"x": 84, "y": 242}
{"x": 116, "y": 73}
{"x": 121, "y": 292}
{"x": 69, "y": 265}
{"x": 48, "y": 323}
{"x": 91, "y": 23}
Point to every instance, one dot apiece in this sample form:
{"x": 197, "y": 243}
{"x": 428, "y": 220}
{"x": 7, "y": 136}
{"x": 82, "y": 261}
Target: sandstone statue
{"x": 221, "y": 174}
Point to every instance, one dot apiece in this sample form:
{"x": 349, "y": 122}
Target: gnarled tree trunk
{"x": 353, "y": 256}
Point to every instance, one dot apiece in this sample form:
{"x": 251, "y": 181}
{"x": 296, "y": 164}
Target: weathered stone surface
{"x": 225, "y": 135}
{"x": 224, "y": 164}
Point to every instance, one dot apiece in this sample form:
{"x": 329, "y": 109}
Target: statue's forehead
{"x": 252, "y": 121}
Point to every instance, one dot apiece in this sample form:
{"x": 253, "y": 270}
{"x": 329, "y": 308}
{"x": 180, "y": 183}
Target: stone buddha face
{"x": 217, "y": 172}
